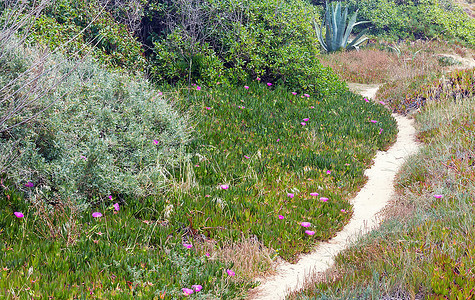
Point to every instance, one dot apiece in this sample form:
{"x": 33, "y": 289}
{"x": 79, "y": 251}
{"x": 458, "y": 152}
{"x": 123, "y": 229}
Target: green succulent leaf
{"x": 337, "y": 31}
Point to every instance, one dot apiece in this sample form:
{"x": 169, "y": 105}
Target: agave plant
{"x": 337, "y": 31}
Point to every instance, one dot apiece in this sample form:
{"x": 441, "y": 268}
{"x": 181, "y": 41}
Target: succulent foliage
{"x": 337, "y": 31}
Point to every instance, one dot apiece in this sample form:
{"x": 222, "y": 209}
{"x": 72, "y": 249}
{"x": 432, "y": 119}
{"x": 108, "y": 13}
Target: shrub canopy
{"x": 417, "y": 19}
{"x": 236, "y": 41}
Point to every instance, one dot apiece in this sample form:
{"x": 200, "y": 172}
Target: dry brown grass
{"x": 59, "y": 221}
{"x": 249, "y": 256}
{"x": 404, "y": 68}
{"x": 363, "y": 66}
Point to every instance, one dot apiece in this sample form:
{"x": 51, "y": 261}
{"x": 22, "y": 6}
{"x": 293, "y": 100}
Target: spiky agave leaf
{"x": 354, "y": 43}
{"x": 320, "y": 35}
{"x": 337, "y": 31}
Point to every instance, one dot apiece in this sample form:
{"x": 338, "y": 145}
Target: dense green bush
{"x": 422, "y": 19}
{"x": 235, "y": 41}
{"x": 93, "y": 29}
{"x": 105, "y": 133}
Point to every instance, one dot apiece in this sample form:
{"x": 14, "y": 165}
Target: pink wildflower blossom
{"x": 187, "y": 291}
{"x": 197, "y": 287}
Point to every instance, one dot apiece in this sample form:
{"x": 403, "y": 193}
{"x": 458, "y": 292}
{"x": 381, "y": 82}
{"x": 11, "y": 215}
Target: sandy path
{"x": 370, "y": 200}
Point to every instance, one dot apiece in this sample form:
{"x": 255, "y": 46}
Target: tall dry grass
{"x": 402, "y": 68}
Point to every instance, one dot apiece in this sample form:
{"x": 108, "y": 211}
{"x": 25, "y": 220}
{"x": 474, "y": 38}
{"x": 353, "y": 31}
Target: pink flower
{"x": 323, "y": 199}
{"x": 366, "y": 99}
{"x": 306, "y": 119}
{"x": 224, "y": 186}
{"x": 305, "y": 224}
{"x": 309, "y": 232}
{"x": 281, "y": 217}
{"x": 230, "y": 272}
{"x": 207, "y": 254}
{"x": 269, "y": 84}
{"x": 343, "y": 211}
{"x": 314, "y": 194}
{"x": 116, "y": 206}
{"x": 438, "y": 196}
{"x": 187, "y": 246}
{"x": 197, "y": 287}
{"x": 208, "y": 108}
{"x": 294, "y": 93}
{"x": 187, "y": 291}
{"x": 198, "y": 88}
{"x": 155, "y": 142}
{"x": 246, "y": 87}
{"x": 96, "y": 214}
{"x": 278, "y": 140}
{"x": 18, "y": 214}
{"x": 29, "y": 184}
{"x": 83, "y": 157}
{"x": 245, "y": 156}
{"x": 380, "y": 130}
{"x": 374, "y": 121}
{"x": 110, "y": 197}
{"x": 290, "y": 195}
{"x": 306, "y": 95}
{"x": 258, "y": 79}
{"x": 312, "y": 106}
{"x": 303, "y": 123}
{"x": 329, "y": 172}
{"x": 160, "y": 93}
{"x": 382, "y": 102}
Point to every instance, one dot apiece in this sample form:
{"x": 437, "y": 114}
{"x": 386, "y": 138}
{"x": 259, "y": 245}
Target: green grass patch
{"x": 55, "y": 251}
{"x": 259, "y": 142}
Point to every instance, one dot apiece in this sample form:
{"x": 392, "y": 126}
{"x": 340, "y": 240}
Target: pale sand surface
{"x": 370, "y": 200}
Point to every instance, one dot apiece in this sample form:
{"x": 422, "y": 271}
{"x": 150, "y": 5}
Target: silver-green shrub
{"x": 104, "y": 133}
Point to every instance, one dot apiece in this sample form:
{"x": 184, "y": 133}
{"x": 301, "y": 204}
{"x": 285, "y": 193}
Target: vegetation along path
{"x": 370, "y": 200}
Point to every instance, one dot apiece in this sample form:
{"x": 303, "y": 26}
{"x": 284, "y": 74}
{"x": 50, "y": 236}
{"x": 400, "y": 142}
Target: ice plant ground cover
{"x": 150, "y": 248}
{"x": 65, "y": 254}
{"x": 287, "y": 165}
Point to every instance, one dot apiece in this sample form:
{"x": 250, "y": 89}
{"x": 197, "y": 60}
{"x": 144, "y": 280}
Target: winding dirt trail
{"x": 370, "y": 200}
